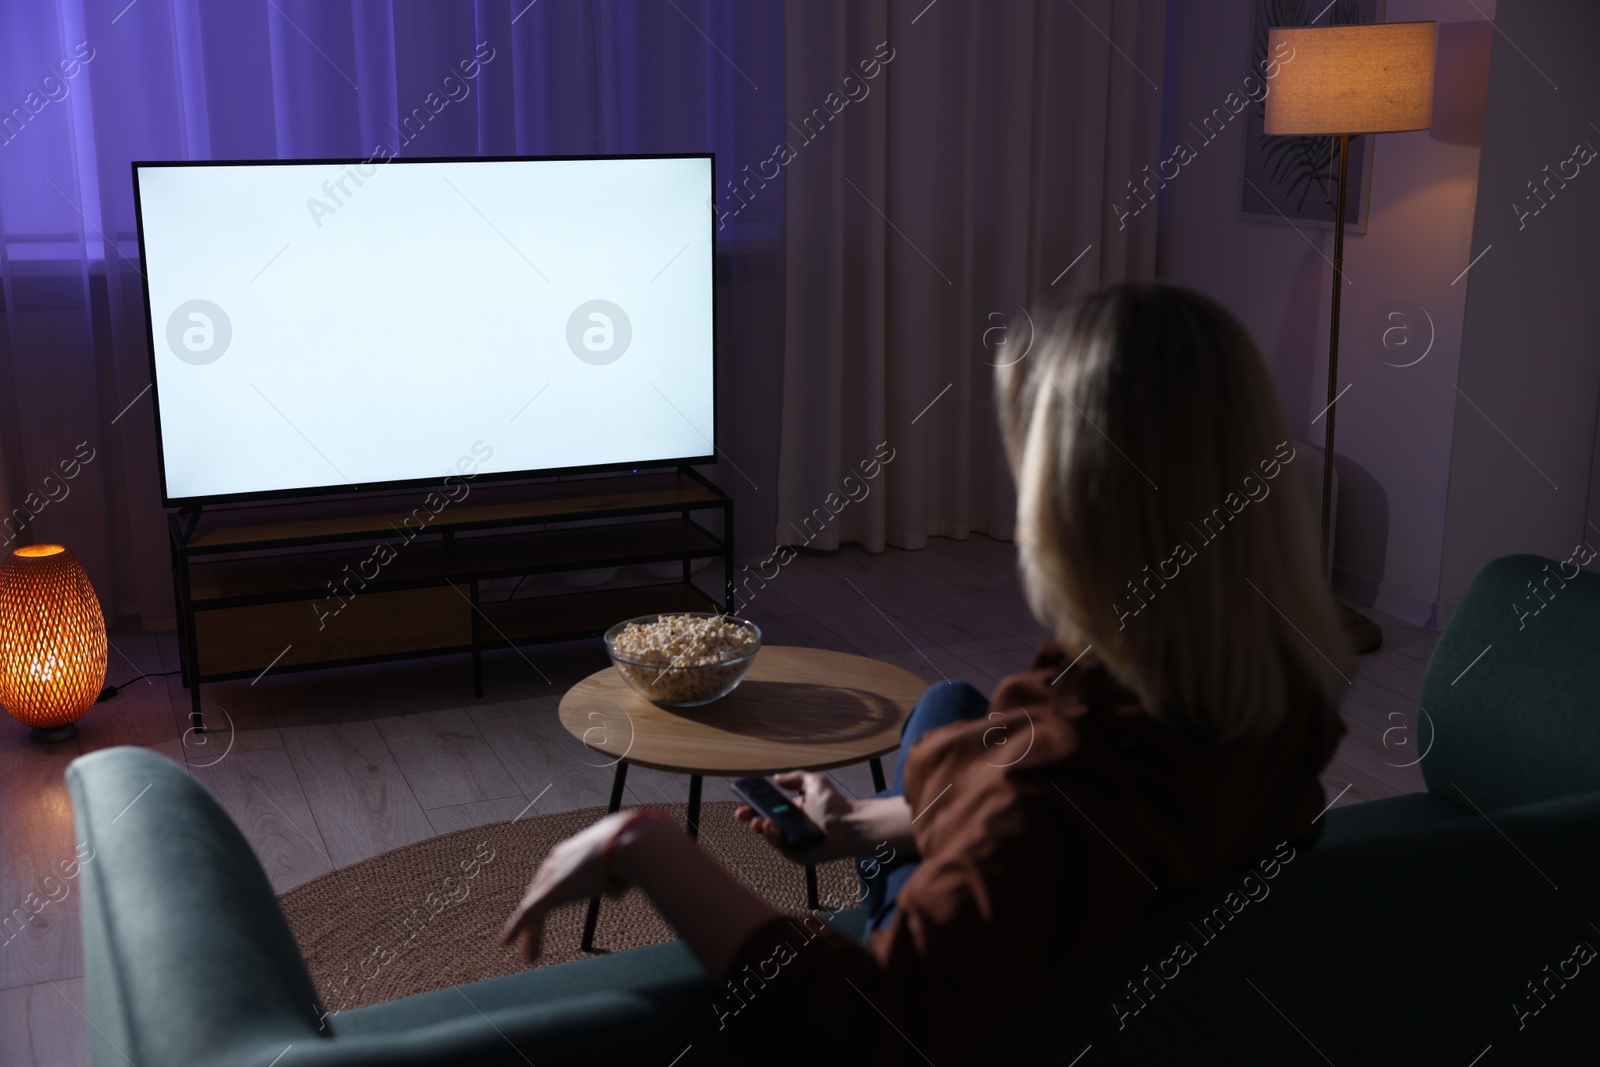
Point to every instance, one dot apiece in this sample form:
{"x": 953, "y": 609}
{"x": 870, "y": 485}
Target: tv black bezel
{"x": 346, "y": 489}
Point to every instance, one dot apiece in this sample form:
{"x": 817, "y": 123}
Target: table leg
{"x": 811, "y": 887}
{"x": 878, "y": 782}
{"x": 477, "y": 637}
{"x": 694, "y": 807}
{"x": 593, "y": 917}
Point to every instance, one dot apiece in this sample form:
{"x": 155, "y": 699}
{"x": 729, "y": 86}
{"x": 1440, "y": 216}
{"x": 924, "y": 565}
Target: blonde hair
{"x": 1146, "y": 440}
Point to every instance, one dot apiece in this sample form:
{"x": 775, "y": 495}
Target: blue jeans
{"x": 944, "y": 703}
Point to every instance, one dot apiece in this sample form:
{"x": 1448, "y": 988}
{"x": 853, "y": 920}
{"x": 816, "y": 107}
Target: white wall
{"x": 1522, "y": 467}
{"x": 1395, "y": 424}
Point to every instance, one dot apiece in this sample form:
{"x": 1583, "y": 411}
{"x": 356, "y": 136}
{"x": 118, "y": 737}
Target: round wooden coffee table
{"x": 797, "y": 709}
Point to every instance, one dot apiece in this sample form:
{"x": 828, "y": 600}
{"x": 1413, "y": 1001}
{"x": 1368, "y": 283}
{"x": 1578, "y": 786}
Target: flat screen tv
{"x": 326, "y": 326}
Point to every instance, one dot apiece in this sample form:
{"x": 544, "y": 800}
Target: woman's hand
{"x": 844, "y": 821}
{"x": 574, "y": 870}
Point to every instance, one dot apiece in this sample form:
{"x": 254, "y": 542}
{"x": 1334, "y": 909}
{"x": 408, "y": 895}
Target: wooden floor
{"x": 325, "y": 768}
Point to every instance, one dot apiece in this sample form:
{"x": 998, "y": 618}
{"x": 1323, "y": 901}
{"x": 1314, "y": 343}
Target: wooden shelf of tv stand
{"x": 549, "y": 618}
{"x": 483, "y": 506}
{"x": 307, "y": 573}
{"x": 256, "y": 590}
{"x": 241, "y": 642}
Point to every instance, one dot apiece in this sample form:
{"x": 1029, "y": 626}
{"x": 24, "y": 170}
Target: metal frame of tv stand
{"x": 183, "y": 523}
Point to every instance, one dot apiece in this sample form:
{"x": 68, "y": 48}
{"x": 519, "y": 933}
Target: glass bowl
{"x": 682, "y": 685}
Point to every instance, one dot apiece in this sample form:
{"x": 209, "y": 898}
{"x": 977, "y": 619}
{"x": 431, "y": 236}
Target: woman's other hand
{"x": 574, "y": 870}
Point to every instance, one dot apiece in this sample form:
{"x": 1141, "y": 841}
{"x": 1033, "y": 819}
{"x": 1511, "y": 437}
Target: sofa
{"x": 1457, "y": 925}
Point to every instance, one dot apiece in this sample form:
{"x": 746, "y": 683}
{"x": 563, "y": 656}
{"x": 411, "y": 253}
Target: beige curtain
{"x": 951, "y": 168}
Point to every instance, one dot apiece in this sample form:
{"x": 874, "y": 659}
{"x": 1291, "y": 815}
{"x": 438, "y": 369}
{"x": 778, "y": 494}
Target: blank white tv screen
{"x": 326, "y": 326}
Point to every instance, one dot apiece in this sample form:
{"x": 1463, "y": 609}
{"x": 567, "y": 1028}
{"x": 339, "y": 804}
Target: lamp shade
{"x": 52, "y": 638}
{"x": 1352, "y": 79}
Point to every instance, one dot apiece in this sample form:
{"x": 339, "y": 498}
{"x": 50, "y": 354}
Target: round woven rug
{"x": 425, "y": 916}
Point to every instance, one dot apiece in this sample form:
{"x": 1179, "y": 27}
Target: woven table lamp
{"x": 52, "y": 640}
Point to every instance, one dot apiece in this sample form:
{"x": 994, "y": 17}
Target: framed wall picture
{"x": 1292, "y": 179}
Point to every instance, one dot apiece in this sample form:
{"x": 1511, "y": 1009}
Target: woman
{"x": 1173, "y": 731}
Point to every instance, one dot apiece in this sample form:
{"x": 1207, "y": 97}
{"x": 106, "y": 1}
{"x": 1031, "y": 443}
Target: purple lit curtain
{"x": 86, "y": 86}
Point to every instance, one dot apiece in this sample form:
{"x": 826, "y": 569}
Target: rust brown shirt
{"x": 1045, "y": 830}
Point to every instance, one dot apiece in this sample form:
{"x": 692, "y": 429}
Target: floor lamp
{"x": 1341, "y": 81}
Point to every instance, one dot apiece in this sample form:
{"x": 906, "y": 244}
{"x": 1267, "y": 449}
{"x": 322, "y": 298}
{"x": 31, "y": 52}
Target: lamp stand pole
{"x": 1363, "y": 634}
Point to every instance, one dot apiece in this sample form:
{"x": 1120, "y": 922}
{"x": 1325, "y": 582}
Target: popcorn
{"x": 684, "y": 641}
{"x": 684, "y": 659}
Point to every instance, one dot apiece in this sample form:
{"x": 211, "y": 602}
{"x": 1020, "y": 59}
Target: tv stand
{"x": 332, "y": 583}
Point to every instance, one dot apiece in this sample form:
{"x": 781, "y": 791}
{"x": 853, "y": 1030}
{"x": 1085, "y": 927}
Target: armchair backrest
{"x": 1512, "y": 691}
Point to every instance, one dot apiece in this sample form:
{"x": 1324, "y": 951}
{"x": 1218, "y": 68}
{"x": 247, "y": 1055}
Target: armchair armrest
{"x": 187, "y": 956}
{"x": 190, "y": 963}
{"x": 1510, "y": 688}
